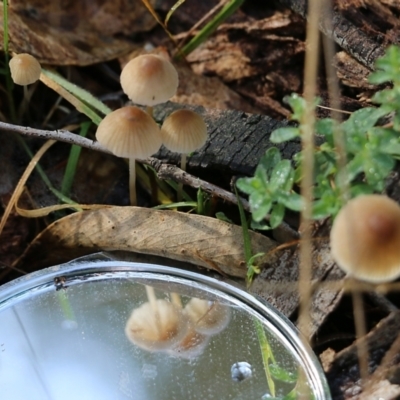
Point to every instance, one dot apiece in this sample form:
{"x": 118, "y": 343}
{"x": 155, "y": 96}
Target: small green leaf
{"x": 293, "y": 201}
{"x": 222, "y": 217}
{"x": 355, "y": 166}
{"x": 361, "y": 120}
{"x": 280, "y": 175}
{"x": 284, "y": 134}
{"x": 253, "y": 258}
{"x": 325, "y": 127}
{"x": 387, "y": 67}
{"x": 260, "y": 226}
{"x": 282, "y": 375}
{"x": 360, "y": 189}
{"x": 245, "y": 185}
{"x": 298, "y": 105}
{"x": 270, "y": 159}
{"x": 260, "y": 206}
{"x": 377, "y": 167}
{"x": 277, "y": 214}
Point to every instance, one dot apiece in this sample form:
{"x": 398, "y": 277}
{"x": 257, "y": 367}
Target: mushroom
{"x": 129, "y": 132}
{"x": 365, "y": 238}
{"x": 184, "y": 131}
{"x": 157, "y": 324}
{"x": 25, "y": 69}
{"x": 148, "y": 80}
{"x": 191, "y": 345}
{"x": 208, "y": 317}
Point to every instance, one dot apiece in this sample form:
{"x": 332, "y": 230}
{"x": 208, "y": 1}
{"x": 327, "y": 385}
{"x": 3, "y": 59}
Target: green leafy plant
{"x": 371, "y": 151}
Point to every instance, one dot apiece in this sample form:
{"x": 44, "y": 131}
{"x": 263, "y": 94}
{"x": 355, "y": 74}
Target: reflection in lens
{"x": 157, "y": 326}
{"x": 191, "y": 346}
{"x": 209, "y": 317}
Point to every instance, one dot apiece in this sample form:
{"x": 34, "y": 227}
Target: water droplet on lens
{"x": 240, "y": 371}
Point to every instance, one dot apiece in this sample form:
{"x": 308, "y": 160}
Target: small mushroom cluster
{"x": 130, "y": 132}
{"x": 161, "y": 325}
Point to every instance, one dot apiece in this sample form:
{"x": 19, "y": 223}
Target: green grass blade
{"x": 266, "y": 354}
{"x": 172, "y": 10}
{"x": 245, "y": 230}
{"x": 9, "y": 82}
{"x": 176, "y": 205}
{"x": 211, "y": 27}
{"x": 73, "y": 158}
{"x": 78, "y": 92}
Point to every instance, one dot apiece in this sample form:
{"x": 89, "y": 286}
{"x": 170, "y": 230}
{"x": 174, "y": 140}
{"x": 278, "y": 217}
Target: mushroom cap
{"x": 191, "y": 345}
{"x": 208, "y": 317}
{"x": 184, "y": 131}
{"x": 129, "y": 132}
{"x": 25, "y": 69}
{"x": 149, "y": 79}
{"x": 156, "y": 330}
{"x": 365, "y": 238}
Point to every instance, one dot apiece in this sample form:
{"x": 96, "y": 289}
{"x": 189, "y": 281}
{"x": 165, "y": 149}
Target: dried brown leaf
{"x": 74, "y": 32}
{"x": 195, "y": 239}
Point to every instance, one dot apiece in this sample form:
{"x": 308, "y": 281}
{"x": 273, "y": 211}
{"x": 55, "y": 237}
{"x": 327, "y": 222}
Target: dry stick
{"x": 164, "y": 171}
{"x": 60, "y": 135}
{"x": 307, "y": 138}
{"x": 180, "y": 185}
{"x": 361, "y": 331}
{"x": 334, "y": 94}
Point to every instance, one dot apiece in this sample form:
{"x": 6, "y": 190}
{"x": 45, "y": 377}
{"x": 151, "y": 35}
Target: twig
{"x": 60, "y": 135}
{"x": 164, "y": 171}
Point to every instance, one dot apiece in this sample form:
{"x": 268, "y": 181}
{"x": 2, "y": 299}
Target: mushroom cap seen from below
{"x": 208, "y": 317}
{"x": 156, "y": 330}
{"x": 191, "y": 345}
{"x": 184, "y": 131}
{"x": 149, "y": 79}
{"x": 25, "y": 69}
{"x": 365, "y": 238}
{"x": 129, "y": 132}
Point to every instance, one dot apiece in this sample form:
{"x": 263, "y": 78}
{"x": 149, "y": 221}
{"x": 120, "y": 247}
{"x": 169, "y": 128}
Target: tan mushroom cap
{"x": 129, "y": 132}
{"x": 208, "y": 317}
{"x": 25, "y": 69}
{"x": 184, "y": 131}
{"x": 149, "y": 79}
{"x": 191, "y": 345}
{"x": 156, "y": 330}
{"x": 365, "y": 238}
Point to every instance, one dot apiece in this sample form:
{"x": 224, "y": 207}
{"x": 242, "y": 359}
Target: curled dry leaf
{"x": 195, "y": 239}
{"x": 75, "y": 32}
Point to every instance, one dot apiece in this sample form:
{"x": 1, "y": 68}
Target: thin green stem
{"x": 211, "y": 27}
{"x": 9, "y": 82}
{"x": 72, "y": 163}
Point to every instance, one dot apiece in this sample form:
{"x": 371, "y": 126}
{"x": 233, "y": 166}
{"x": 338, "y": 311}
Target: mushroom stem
{"x": 180, "y": 185}
{"x": 132, "y": 181}
{"x": 151, "y": 296}
{"x": 176, "y": 299}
